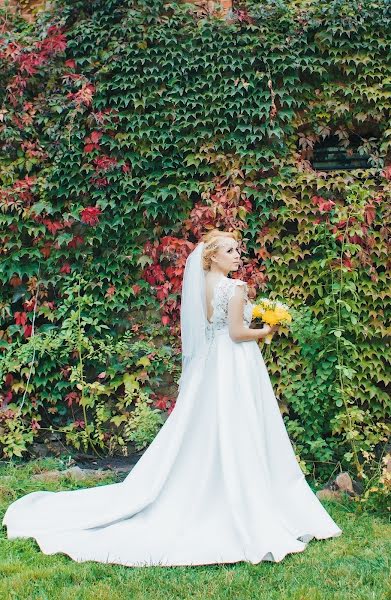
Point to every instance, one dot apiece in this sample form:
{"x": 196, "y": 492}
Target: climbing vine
{"x": 128, "y": 129}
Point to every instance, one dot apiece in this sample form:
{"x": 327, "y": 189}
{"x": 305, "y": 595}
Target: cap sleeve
{"x": 234, "y": 283}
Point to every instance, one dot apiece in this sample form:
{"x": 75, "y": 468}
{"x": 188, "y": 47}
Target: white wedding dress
{"x": 219, "y": 484}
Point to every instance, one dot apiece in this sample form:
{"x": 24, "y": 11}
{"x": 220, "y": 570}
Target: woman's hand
{"x": 266, "y": 330}
{"x": 270, "y": 328}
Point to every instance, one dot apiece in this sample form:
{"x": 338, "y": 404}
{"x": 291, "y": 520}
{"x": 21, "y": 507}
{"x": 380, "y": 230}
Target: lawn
{"x": 355, "y": 566}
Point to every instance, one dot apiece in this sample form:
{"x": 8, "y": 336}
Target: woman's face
{"x": 227, "y": 257}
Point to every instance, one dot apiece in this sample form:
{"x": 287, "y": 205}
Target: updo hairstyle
{"x": 212, "y": 244}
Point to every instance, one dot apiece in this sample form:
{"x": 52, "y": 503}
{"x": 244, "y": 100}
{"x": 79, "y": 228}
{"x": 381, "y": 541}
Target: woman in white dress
{"x": 220, "y": 482}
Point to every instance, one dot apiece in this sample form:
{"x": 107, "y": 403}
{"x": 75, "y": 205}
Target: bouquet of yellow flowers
{"x": 271, "y": 312}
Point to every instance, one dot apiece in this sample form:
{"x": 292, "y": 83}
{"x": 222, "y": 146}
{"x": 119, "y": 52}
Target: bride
{"x": 220, "y": 482}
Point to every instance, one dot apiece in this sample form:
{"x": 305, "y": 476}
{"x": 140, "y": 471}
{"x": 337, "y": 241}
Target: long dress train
{"x": 219, "y": 483}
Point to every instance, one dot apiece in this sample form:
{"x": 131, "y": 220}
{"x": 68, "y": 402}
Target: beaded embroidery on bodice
{"x": 223, "y": 292}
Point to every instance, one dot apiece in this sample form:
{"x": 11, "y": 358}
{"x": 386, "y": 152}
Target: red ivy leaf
{"x": 66, "y": 268}
{"x": 347, "y": 262}
{"x": 323, "y": 204}
{"x": 104, "y": 163}
{"x": 9, "y": 379}
{"x": 76, "y": 241}
{"x": 20, "y": 318}
{"x": 35, "y": 425}
{"x": 71, "y": 398}
{"x": 54, "y": 42}
{"x": 53, "y": 226}
{"x": 95, "y": 136}
{"x": 370, "y": 213}
{"x": 46, "y": 250}
{"x": 83, "y": 96}
{"x": 28, "y": 330}
{"x": 110, "y": 292}
{"x": 136, "y": 288}
{"x": 92, "y": 141}
{"x": 99, "y": 182}
{"x": 90, "y": 215}
{"x": 70, "y": 64}
{"x": 15, "y": 281}
{"x": 387, "y": 172}
{"x": 29, "y": 305}
{"x": 90, "y": 147}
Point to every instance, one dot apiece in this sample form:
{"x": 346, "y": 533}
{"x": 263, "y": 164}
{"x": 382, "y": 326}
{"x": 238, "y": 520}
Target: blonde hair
{"x": 212, "y": 244}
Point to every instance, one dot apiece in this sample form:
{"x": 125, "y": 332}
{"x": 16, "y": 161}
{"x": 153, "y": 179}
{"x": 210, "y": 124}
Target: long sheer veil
{"x": 193, "y": 308}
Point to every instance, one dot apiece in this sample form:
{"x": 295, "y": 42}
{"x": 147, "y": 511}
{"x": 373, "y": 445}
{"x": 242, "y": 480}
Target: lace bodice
{"x": 223, "y": 292}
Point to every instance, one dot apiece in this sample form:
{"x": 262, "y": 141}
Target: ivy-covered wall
{"x": 126, "y": 130}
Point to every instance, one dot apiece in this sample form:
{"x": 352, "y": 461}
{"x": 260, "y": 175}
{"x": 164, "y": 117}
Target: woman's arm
{"x": 237, "y": 331}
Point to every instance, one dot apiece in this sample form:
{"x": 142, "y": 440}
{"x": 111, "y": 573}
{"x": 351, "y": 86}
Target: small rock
{"x": 78, "y": 473}
{"x": 335, "y": 489}
{"x": 74, "y": 472}
{"x": 327, "y": 494}
{"x": 47, "y": 476}
{"x": 344, "y": 483}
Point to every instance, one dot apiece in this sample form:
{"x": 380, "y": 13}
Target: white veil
{"x": 193, "y": 308}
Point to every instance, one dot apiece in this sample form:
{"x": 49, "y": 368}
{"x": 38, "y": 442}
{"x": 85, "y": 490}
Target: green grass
{"x": 355, "y": 566}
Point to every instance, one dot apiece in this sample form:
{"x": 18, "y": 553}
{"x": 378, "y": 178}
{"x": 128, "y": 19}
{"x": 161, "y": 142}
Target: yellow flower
{"x": 282, "y": 314}
{"x": 271, "y": 312}
{"x": 257, "y": 311}
{"x": 270, "y": 317}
